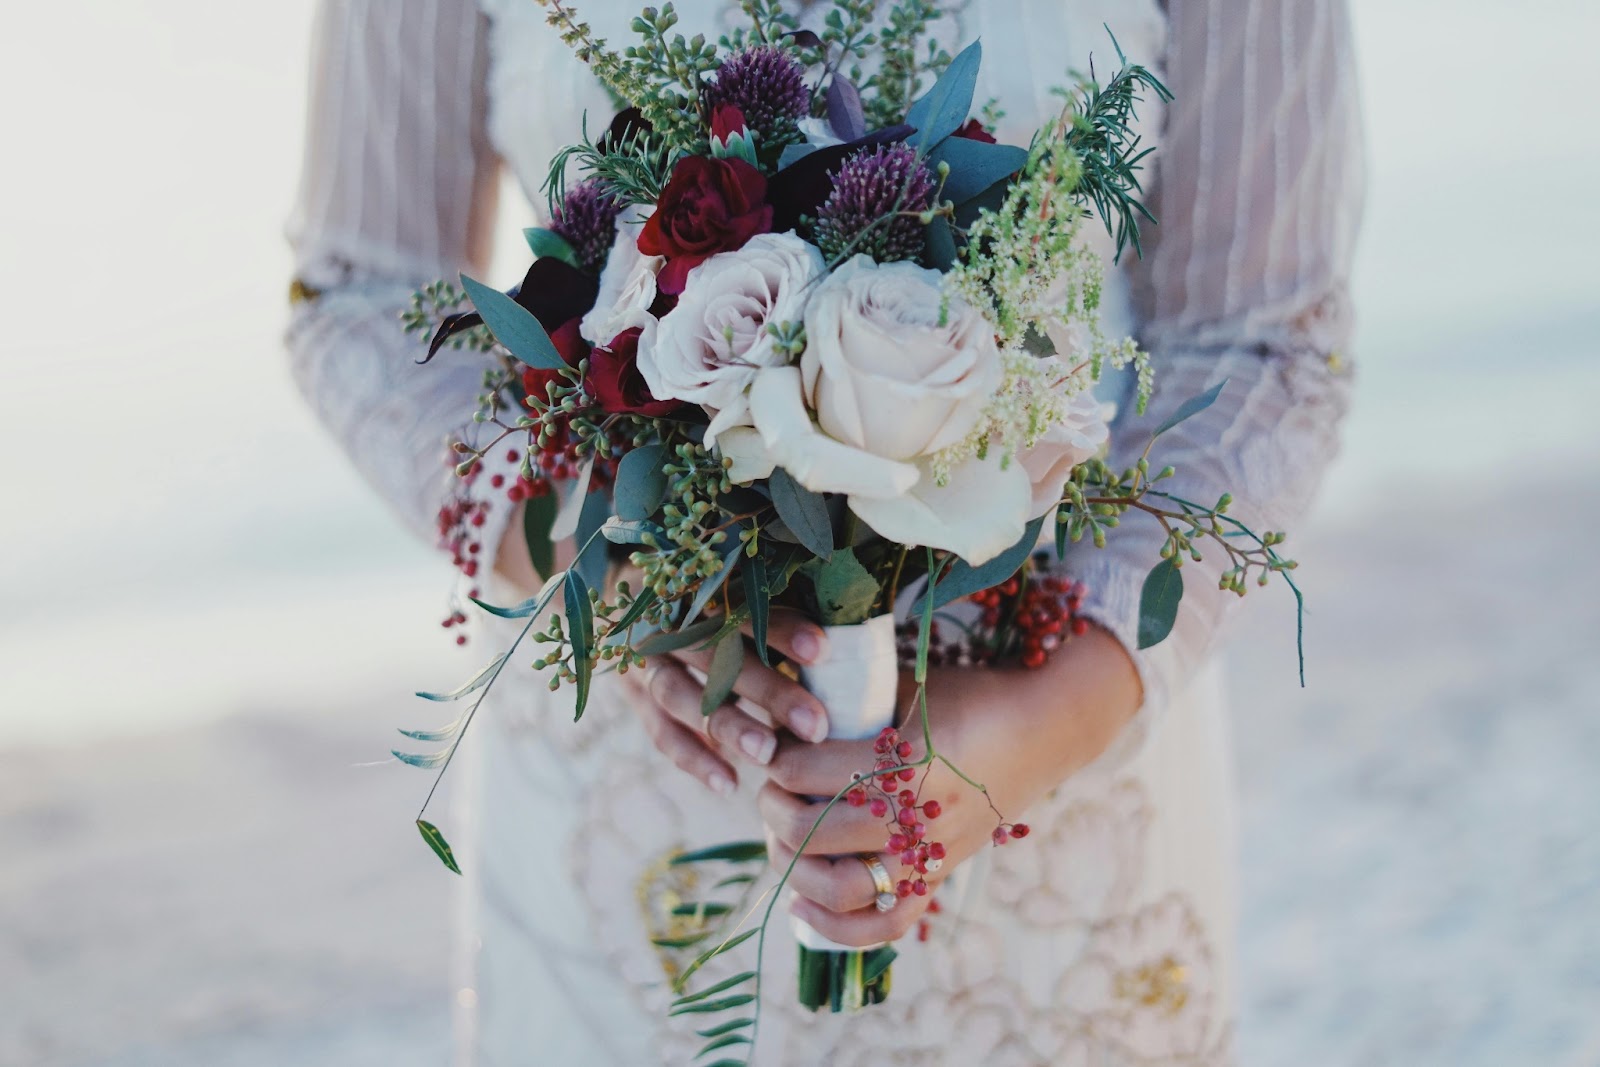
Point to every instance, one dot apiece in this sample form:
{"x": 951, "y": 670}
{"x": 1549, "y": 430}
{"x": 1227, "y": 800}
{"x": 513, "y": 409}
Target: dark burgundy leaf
{"x": 804, "y": 38}
{"x": 802, "y": 186}
{"x": 844, "y": 109}
{"x": 555, "y": 292}
{"x": 449, "y": 326}
{"x": 630, "y": 122}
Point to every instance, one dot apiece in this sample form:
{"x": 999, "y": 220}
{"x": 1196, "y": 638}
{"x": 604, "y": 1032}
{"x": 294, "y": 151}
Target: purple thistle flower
{"x": 769, "y": 86}
{"x": 587, "y": 219}
{"x": 874, "y": 183}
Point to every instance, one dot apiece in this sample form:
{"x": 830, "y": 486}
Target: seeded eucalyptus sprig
{"x": 906, "y": 53}
{"x": 435, "y": 302}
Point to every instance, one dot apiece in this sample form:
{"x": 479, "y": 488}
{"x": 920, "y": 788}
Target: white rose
{"x": 893, "y": 365}
{"x": 627, "y": 282}
{"x": 711, "y": 345}
{"x": 1050, "y": 461}
{"x": 895, "y": 370}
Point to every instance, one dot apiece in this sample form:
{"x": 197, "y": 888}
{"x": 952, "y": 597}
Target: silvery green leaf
{"x": 1158, "y": 602}
{"x": 1191, "y": 407}
{"x": 975, "y": 165}
{"x": 513, "y": 326}
{"x": 963, "y": 578}
{"x": 943, "y": 109}
{"x": 805, "y": 513}
{"x": 641, "y": 484}
{"x": 543, "y": 243}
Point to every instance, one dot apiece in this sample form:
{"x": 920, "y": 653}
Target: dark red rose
{"x": 573, "y": 349}
{"x": 708, "y": 206}
{"x": 615, "y": 382}
{"x": 973, "y": 130}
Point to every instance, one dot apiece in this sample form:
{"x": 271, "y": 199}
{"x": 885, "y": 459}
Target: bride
{"x": 1107, "y": 937}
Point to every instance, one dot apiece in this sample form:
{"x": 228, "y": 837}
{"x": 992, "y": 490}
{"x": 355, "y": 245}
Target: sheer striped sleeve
{"x": 1258, "y": 189}
{"x": 397, "y": 189}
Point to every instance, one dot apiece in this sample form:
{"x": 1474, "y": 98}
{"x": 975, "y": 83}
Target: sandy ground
{"x": 1421, "y": 862}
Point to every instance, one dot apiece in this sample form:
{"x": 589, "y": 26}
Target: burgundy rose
{"x": 727, "y": 121}
{"x": 615, "y": 382}
{"x": 708, "y": 206}
{"x": 572, "y": 347}
{"x": 973, "y": 130}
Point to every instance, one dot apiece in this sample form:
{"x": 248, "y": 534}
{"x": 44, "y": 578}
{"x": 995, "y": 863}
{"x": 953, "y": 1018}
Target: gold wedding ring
{"x": 880, "y": 882}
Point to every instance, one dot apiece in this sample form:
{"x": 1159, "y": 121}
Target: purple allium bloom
{"x": 769, "y": 86}
{"x": 587, "y": 218}
{"x": 872, "y": 184}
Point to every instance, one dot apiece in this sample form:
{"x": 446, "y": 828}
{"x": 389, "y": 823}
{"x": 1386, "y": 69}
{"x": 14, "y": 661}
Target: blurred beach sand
{"x": 1420, "y": 871}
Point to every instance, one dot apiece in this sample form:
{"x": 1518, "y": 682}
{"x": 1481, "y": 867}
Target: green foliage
{"x": 1158, "y": 602}
{"x": 1103, "y": 137}
{"x": 804, "y": 512}
{"x": 846, "y": 591}
{"x": 441, "y": 847}
{"x": 514, "y": 326}
{"x": 727, "y": 660}
{"x": 538, "y": 516}
{"x": 946, "y": 106}
{"x": 634, "y": 169}
{"x": 434, "y": 303}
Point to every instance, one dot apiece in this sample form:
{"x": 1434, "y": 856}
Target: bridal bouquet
{"x": 800, "y": 335}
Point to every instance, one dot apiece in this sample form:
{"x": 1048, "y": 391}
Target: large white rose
{"x": 894, "y": 370}
{"x": 1068, "y": 443}
{"x": 627, "y": 282}
{"x": 893, "y": 364}
{"x": 710, "y": 346}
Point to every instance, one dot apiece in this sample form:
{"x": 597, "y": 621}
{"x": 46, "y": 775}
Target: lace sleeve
{"x": 1258, "y": 191}
{"x": 397, "y": 190}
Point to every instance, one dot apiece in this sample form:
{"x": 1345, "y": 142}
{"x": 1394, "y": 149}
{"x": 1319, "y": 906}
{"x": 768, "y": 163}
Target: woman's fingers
{"x": 792, "y": 820}
{"x": 837, "y": 883}
{"x": 819, "y": 769}
{"x": 783, "y": 698}
{"x": 796, "y": 637}
{"x": 864, "y": 926}
{"x": 690, "y": 752}
{"x": 678, "y": 693}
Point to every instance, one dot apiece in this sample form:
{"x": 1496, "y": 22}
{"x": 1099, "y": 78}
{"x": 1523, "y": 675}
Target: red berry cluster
{"x": 1044, "y": 613}
{"x": 1023, "y": 619}
{"x": 884, "y": 792}
{"x": 1008, "y": 830}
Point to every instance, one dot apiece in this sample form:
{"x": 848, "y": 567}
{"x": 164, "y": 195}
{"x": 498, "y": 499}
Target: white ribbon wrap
{"x": 857, "y": 683}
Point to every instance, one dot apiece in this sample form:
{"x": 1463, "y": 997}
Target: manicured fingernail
{"x": 721, "y": 785}
{"x": 809, "y": 645}
{"x": 758, "y": 746}
{"x": 808, "y": 724}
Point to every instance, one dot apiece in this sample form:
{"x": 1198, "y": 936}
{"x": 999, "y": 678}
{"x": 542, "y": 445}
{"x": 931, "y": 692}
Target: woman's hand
{"x": 666, "y": 696}
{"x": 1019, "y": 732}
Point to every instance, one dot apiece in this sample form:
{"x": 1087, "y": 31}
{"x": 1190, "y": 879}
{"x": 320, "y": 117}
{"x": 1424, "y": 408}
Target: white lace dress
{"x": 1107, "y": 937}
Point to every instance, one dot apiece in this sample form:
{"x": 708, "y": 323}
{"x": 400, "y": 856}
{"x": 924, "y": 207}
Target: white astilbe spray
{"x": 1040, "y": 284}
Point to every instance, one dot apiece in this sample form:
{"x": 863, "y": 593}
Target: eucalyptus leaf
{"x": 478, "y": 681}
{"x": 726, "y": 663}
{"x": 708, "y": 587}
{"x": 975, "y": 165}
{"x": 758, "y": 600}
{"x": 732, "y": 852}
{"x": 877, "y": 961}
{"x": 619, "y": 532}
{"x": 538, "y": 516}
{"x": 804, "y": 512}
{"x": 542, "y": 243}
{"x": 963, "y": 578}
{"x": 659, "y": 644}
{"x": 436, "y": 841}
{"x": 1191, "y": 407}
{"x": 688, "y": 941}
{"x": 513, "y": 326}
{"x": 580, "y": 634}
{"x": 941, "y": 244}
{"x": 642, "y": 603}
{"x": 846, "y": 591}
{"x": 711, "y": 954}
{"x": 943, "y": 109}
{"x": 794, "y": 153}
{"x": 641, "y": 484}
{"x": 1158, "y": 602}
{"x": 591, "y": 561}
